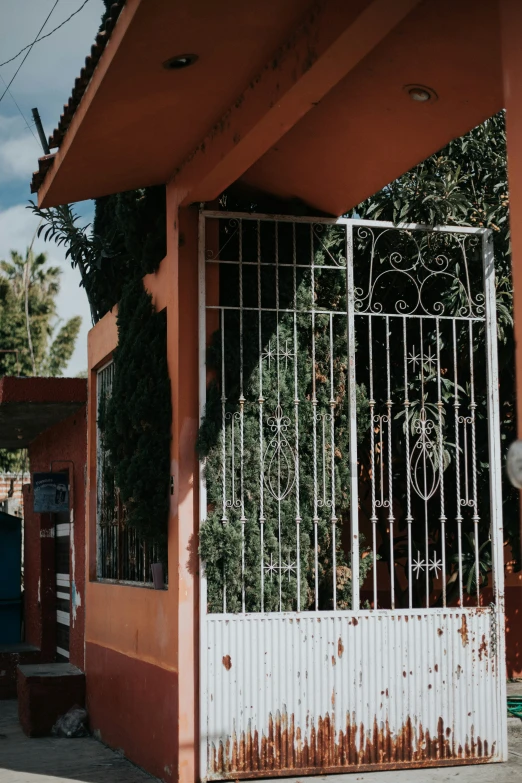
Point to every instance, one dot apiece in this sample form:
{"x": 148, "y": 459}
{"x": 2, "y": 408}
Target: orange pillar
{"x": 182, "y": 347}
{"x": 511, "y": 30}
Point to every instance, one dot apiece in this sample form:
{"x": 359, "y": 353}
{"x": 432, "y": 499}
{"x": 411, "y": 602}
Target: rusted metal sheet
{"x": 331, "y": 691}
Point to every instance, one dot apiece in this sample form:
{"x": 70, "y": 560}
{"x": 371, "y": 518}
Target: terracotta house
{"x": 48, "y": 417}
{"x": 319, "y": 105}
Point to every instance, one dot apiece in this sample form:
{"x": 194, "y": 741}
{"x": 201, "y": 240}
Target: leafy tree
{"x": 51, "y": 345}
{"x": 135, "y": 420}
{"x": 32, "y": 340}
{"x": 127, "y": 240}
{"x": 466, "y": 184}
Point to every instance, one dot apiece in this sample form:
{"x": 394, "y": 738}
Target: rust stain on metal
{"x": 340, "y": 648}
{"x": 284, "y": 747}
{"x": 483, "y": 648}
{"x": 463, "y": 630}
{"x": 334, "y": 662}
{"x": 355, "y": 621}
{"x": 227, "y": 662}
{"x": 440, "y": 631}
{"x": 436, "y": 667}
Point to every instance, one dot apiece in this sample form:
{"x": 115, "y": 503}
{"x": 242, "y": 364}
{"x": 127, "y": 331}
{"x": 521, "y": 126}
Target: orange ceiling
{"x": 138, "y": 122}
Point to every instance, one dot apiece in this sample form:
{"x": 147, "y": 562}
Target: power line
{"x": 29, "y": 50}
{"x": 46, "y": 35}
{"x": 19, "y": 109}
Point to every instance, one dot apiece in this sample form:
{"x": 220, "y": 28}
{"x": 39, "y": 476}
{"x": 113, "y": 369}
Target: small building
{"x": 47, "y": 416}
{"x": 312, "y": 109}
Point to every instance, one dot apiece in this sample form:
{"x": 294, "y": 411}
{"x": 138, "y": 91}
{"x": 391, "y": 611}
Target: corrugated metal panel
{"x": 331, "y": 691}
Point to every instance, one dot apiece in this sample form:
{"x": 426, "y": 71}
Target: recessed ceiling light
{"x": 420, "y": 93}
{"x": 180, "y": 61}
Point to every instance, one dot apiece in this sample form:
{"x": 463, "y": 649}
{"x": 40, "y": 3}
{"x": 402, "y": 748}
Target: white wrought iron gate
{"x": 351, "y": 523}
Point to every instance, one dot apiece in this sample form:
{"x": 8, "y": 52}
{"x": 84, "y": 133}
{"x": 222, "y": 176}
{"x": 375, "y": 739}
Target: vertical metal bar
{"x": 391, "y": 517}
{"x": 241, "y": 418}
{"x": 373, "y": 518}
{"x": 456, "y": 406}
{"x": 296, "y": 415}
{"x": 202, "y": 346}
{"x": 495, "y": 478}
{"x": 352, "y": 415}
{"x": 441, "y": 469}
{"x": 473, "y": 406}
{"x": 424, "y": 465}
{"x": 333, "y": 518}
{"x": 314, "y": 408}
{"x": 224, "y": 519}
{"x": 279, "y": 414}
{"x": 260, "y": 401}
{"x": 409, "y": 518}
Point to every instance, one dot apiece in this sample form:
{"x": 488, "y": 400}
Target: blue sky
{"x": 45, "y": 81}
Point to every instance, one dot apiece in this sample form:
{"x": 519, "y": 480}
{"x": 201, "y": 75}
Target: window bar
{"x": 472, "y": 406}
{"x": 241, "y": 417}
{"x": 296, "y": 414}
{"x": 260, "y": 401}
{"x": 424, "y": 465}
{"x": 456, "y": 405}
{"x": 224, "y": 519}
{"x": 373, "y": 518}
{"x": 352, "y": 417}
{"x": 441, "y": 471}
{"x": 136, "y": 563}
{"x": 279, "y": 445}
{"x": 333, "y": 518}
{"x": 409, "y": 518}
{"x": 314, "y": 408}
{"x": 391, "y": 518}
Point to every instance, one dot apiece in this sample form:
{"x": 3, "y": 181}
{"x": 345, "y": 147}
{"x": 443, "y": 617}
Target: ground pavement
{"x": 56, "y": 760}
{"x": 53, "y": 760}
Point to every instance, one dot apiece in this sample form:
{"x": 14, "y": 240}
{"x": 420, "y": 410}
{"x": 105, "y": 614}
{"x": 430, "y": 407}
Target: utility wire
{"x": 29, "y": 50}
{"x": 19, "y": 109}
{"x": 46, "y": 35}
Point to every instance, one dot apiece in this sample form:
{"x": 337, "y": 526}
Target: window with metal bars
{"x": 121, "y": 555}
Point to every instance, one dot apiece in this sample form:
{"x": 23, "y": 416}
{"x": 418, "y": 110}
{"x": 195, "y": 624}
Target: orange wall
{"x": 151, "y": 635}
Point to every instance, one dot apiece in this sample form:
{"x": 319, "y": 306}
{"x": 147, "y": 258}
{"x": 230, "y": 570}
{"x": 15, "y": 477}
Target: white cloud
{"x": 17, "y": 228}
{"x": 45, "y": 80}
{"x": 18, "y": 150}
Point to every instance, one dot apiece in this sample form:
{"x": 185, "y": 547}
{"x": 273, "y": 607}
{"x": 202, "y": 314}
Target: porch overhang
{"x": 29, "y": 406}
{"x": 302, "y": 102}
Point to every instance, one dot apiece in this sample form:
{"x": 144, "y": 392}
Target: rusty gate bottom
{"x": 285, "y": 752}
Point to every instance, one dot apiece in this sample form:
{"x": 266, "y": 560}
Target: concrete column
{"x": 182, "y": 348}
{"x": 511, "y": 30}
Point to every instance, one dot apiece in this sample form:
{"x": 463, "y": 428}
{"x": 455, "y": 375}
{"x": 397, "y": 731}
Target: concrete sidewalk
{"x": 53, "y": 760}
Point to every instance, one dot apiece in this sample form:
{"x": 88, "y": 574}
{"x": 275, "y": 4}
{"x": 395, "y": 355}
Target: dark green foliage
{"x": 127, "y": 241}
{"x": 134, "y": 226}
{"x": 220, "y": 544}
{"x": 135, "y": 421}
{"x": 466, "y": 184}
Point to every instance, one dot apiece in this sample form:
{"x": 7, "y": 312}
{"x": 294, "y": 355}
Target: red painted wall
{"x": 39, "y": 580}
{"x": 133, "y": 704}
{"x": 59, "y": 444}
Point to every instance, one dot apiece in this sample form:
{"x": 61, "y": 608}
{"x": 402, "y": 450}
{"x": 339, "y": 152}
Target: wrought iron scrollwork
{"x": 419, "y": 271}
